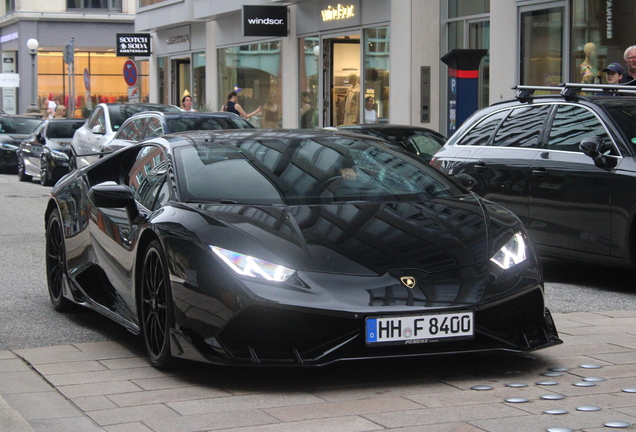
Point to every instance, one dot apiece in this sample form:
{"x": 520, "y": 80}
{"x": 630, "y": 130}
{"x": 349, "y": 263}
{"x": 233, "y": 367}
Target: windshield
{"x": 63, "y": 129}
{"x": 296, "y": 170}
{"x": 182, "y": 124}
{"x": 623, "y": 111}
{"x": 13, "y": 125}
{"x": 120, "y": 112}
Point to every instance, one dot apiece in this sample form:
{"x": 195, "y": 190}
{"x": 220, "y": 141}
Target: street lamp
{"x": 33, "y": 45}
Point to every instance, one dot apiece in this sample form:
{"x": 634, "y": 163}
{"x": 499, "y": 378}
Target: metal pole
{"x": 34, "y": 77}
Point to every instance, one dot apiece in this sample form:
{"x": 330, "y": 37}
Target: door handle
{"x": 539, "y": 172}
{"x": 480, "y": 167}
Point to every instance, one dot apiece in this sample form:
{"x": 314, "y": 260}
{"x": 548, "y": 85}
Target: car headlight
{"x": 59, "y": 155}
{"x": 246, "y": 265}
{"x": 512, "y": 253}
{"x": 10, "y": 147}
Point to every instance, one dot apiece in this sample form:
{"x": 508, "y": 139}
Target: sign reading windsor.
{"x": 133, "y": 44}
{"x": 265, "y": 21}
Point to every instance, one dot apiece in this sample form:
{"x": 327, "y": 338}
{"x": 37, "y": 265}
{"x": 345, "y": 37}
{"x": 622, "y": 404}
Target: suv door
{"x": 570, "y": 197}
{"x": 503, "y": 168}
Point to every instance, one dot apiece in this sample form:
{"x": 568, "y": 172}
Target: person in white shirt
{"x": 51, "y": 109}
{"x": 370, "y": 116}
{"x": 186, "y": 101}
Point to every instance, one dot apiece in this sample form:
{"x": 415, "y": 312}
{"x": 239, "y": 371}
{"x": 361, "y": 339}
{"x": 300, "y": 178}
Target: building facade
{"x": 336, "y": 55}
{"x": 88, "y": 29}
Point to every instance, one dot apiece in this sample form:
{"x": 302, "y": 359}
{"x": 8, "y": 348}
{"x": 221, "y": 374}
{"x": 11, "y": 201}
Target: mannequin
{"x": 589, "y": 72}
{"x": 352, "y": 113}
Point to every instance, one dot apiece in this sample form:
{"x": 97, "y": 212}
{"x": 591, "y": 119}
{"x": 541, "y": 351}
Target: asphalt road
{"x": 27, "y": 319}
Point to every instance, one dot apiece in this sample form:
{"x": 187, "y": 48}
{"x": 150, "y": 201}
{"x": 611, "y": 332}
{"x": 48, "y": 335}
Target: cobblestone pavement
{"x": 109, "y": 386}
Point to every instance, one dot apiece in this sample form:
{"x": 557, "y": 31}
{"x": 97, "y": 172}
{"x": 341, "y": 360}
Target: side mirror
{"x": 465, "y": 180}
{"x": 595, "y": 148}
{"x": 98, "y": 130}
{"x": 112, "y": 195}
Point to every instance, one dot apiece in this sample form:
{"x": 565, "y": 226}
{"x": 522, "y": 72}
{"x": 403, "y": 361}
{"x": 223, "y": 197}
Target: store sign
{"x": 339, "y": 12}
{"x": 609, "y": 19}
{"x": 178, "y": 39}
{"x": 133, "y": 44}
{"x": 265, "y": 21}
{"x": 9, "y": 37}
{"x": 9, "y": 80}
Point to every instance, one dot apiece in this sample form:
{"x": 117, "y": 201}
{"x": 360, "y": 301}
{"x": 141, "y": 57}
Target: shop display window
{"x": 376, "y": 72}
{"x": 106, "y": 80}
{"x": 255, "y": 72}
{"x": 309, "y": 58}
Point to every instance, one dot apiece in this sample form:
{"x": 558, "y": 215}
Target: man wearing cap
{"x": 614, "y": 73}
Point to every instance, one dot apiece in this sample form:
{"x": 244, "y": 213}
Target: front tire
{"x": 45, "y": 173}
{"x": 156, "y": 306}
{"x": 22, "y": 175}
{"x": 56, "y": 262}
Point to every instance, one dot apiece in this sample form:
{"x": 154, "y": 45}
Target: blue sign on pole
{"x": 130, "y": 73}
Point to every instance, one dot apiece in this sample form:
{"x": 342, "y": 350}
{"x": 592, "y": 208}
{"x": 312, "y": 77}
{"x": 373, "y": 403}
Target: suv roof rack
{"x": 568, "y": 90}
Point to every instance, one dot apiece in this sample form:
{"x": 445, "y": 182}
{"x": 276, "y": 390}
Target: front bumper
{"x": 261, "y": 335}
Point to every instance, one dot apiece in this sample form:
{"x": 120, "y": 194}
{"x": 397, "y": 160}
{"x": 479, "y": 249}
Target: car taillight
{"x": 436, "y": 163}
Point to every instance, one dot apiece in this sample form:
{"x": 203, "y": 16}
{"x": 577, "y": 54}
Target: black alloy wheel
{"x": 156, "y": 306}
{"x": 22, "y": 175}
{"x": 45, "y": 172}
{"x": 56, "y": 262}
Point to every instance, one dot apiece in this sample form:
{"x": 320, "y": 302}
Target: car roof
{"x": 183, "y": 114}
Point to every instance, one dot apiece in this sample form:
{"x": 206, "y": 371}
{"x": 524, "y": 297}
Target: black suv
{"x": 564, "y": 163}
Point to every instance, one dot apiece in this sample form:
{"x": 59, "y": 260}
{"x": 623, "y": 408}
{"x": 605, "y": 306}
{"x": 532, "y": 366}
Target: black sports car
{"x": 291, "y": 248}
{"x": 46, "y": 153}
{"x": 13, "y": 129}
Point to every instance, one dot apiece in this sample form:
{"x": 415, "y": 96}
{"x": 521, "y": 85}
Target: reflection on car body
{"x": 248, "y": 247}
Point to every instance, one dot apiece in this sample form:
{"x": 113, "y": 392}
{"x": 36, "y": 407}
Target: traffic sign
{"x": 87, "y": 79}
{"x": 130, "y": 72}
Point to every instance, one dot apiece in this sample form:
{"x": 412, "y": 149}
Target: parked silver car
{"x": 101, "y": 126}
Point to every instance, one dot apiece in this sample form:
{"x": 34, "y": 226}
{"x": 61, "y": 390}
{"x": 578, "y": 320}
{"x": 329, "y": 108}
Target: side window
{"x": 97, "y": 118}
{"x": 480, "y": 134}
{"x": 522, "y": 128}
{"x": 154, "y": 128}
{"x": 125, "y": 132}
{"x": 137, "y": 129}
{"x": 147, "y": 177}
{"x": 570, "y": 125}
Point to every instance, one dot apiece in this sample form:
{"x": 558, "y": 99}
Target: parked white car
{"x": 100, "y": 128}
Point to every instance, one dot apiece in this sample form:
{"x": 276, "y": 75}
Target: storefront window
{"x": 106, "y": 82}
{"x": 376, "y": 75}
{"x": 469, "y": 28}
{"x": 198, "y": 83}
{"x": 254, "y": 71}
{"x": 309, "y": 56}
{"x": 162, "y": 63}
{"x": 542, "y": 47}
{"x": 460, "y": 8}
{"x": 113, "y": 5}
{"x": 601, "y": 31}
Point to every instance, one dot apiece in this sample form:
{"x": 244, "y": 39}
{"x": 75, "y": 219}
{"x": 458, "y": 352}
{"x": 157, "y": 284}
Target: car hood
{"x": 13, "y": 138}
{"x": 364, "y": 239}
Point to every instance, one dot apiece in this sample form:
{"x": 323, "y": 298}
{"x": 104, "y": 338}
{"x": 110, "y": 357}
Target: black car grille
{"x": 512, "y": 315}
{"x": 277, "y": 333}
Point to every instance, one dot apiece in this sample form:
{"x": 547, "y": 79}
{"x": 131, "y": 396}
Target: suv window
{"x": 570, "y": 125}
{"x": 480, "y": 134}
{"x": 522, "y": 128}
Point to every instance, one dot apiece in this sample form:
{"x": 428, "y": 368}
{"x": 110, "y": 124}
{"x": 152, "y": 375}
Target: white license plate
{"x": 419, "y": 328}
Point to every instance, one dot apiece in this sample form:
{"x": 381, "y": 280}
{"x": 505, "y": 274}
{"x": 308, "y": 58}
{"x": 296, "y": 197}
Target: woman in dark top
{"x": 232, "y": 106}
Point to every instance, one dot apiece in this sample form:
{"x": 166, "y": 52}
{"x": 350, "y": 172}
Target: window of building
{"x": 542, "y": 37}
{"x": 162, "y": 73}
{"x": 198, "y": 83}
{"x": 376, "y": 72}
{"x": 106, "y": 80}
{"x": 254, "y": 71}
{"x": 110, "y": 5}
{"x": 309, "y": 61}
{"x": 601, "y": 31}
{"x": 468, "y": 27}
